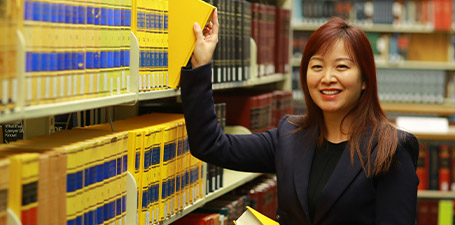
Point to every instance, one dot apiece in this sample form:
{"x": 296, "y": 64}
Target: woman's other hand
{"x": 205, "y": 41}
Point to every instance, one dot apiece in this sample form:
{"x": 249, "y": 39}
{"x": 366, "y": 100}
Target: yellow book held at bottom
{"x": 181, "y": 39}
{"x": 253, "y": 217}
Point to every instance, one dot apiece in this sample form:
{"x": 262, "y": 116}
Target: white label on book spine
{"x": 29, "y": 89}
{"x": 162, "y": 80}
{"x": 123, "y": 79}
{"x": 153, "y": 80}
{"x": 5, "y": 91}
{"x": 83, "y": 84}
{"x": 167, "y": 79}
{"x": 240, "y": 73}
{"x": 140, "y": 83}
{"x": 105, "y": 82}
{"x": 69, "y": 85}
{"x": 118, "y": 85}
{"x": 47, "y": 89}
{"x": 111, "y": 87}
{"x": 14, "y": 91}
{"x": 147, "y": 217}
{"x": 149, "y": 81}
{"x": 38, "y": 88}
{"x": 75, "y": 85}
{"x": 55, "y": 87}
{"x": 128, "y": 84}
{"x": 98, "y": 83}
{"x": 219, "y": 74}
{"x": 90, "y": 86}
{"x": 62, "y": 86}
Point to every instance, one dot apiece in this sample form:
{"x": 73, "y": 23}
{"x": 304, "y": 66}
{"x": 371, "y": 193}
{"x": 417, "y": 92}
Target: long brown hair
{"x": 367, "y": 116}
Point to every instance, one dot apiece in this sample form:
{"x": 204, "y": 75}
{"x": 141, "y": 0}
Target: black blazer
{"x": 349, "y": 196}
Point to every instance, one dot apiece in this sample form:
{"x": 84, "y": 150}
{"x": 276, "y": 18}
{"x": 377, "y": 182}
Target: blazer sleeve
{"x": 397, "y": 189}
{"x": 251, "y": 153}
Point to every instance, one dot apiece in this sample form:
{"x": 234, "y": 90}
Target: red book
{"x": 452, "y": 168}
{"x": 444, "y": 168}
{"x": 442, "y": 14}
{"x": 199, "y": 219}
{"x": 422, "y": 167}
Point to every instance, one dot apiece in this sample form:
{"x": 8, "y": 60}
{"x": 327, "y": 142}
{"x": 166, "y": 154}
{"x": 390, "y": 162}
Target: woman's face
{"x": 334, "y": 80}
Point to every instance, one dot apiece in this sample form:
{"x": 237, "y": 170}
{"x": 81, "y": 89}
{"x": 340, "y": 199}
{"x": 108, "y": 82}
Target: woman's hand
{"x": 205, "y": 41}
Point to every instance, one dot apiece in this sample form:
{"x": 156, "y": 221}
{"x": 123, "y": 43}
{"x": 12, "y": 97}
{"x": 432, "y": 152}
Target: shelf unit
{"x": 132, "y": 97}
{"x": 367, "y": 27}
{"x": 231, "y": 180}
{"x": 404, "y": 65}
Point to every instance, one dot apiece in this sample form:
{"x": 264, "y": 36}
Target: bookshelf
{"x": 44, "y": 112}
{"x": 232, "y": 179}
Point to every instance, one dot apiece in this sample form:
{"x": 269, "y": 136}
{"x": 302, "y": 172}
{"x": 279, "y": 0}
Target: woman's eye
{"x": 342, "y": 66}
{"x": 316, "y": 67}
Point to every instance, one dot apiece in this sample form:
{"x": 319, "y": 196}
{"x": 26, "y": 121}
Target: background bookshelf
{"x": 37, "y": 114}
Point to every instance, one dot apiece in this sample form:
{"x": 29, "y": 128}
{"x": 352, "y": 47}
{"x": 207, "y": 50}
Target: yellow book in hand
{"x": 253, "y": 217}
{"x": 181, "y": 39}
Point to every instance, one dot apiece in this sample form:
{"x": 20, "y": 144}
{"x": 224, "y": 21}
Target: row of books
{"x": 231, "y": 59}
{"x": 435, "y": 13}
{"x": 74, "y": 50}
{"x": 78, "y": 176}
{"x": 260, "y": 194}
{"x": 434, "y": 212}
{"x": 436, "y": 166}
{"x": 411, "y": 86}
{"x": 8, "y": 54}
{"x": 270, "y": 29}
{"x": 152, "y": 33}
{"x": 395, "y": 47}
{"x": 214, "y": 173}
{"x": 257, "y": 111}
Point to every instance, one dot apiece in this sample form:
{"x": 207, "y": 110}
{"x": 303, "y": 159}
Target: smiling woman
{"x": 340, "y": 163}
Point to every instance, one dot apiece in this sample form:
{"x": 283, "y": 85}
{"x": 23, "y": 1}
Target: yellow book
{"x": 253, "y": 217}
{"x": 179, "y": 167}
{"x": 164, "y": 175}
{"x": 156, "y": 173}
{"x": 44, "y": 175}
{"x": 181, "y": 36}
{"x": 146, "y": 178}
{"x": 24, "y": 185}
{"x": 4, "y": 188}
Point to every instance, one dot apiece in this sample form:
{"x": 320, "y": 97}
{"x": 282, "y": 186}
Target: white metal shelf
{"x": 430, "y": 194}
{"x": 312, "y": 25}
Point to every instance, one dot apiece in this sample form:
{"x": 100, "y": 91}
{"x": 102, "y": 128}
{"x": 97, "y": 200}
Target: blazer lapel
{"x": 342, "y": 176}
{"x": 304, "y": 152}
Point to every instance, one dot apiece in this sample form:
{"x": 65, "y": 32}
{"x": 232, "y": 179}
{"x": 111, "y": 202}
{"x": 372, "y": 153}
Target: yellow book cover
{"x": 253, "y": 217}
{"x": 172, "y": 167}
{"x": 4, "y": 188}
{"x": 182, "y": 16}
{"x": 179, "y": 167}
{"x": 146, "y": 178}
{"x": 44, "y": 210}
{"x": 24, "y": 185}
{"x": 164, "y": 175}
{"x": 156, "y": 173}
{"x": 186, "y": 168}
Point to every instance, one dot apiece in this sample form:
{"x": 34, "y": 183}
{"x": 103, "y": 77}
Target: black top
{"x": 324, "y": 162}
